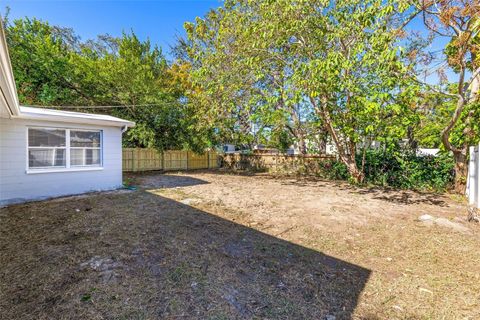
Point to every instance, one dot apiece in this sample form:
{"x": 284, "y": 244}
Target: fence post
{"x": 477, "y": 176}
{"x": 208, "y": 159}
{"x": 187, "y": 159}
{"x": 473, "y": 178}
{"x": 163, "y": 159}
{"x": 472, "y": 172}
{"x": 133, "y": 160}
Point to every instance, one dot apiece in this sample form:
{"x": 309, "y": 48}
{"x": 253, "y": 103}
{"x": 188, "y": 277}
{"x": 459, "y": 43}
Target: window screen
{"x": 46, "y": 148}
{"x": 50, "y": 148}
{"x": 85, "y": 148}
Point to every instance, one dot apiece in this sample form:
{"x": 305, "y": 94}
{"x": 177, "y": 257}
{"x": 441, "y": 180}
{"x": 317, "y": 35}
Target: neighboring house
{"x": 331, "y": 149}
{"x": 263, "y": 149}
{"x": 228, "y": 148}
{"x": 423, "y": 152}
{"x": 48, "y": 153}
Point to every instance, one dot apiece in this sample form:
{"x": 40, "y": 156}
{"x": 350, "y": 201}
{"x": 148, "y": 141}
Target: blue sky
{"x": 159, "y": 20}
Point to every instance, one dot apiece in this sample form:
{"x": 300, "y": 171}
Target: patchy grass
{"x": 214, "y": 246}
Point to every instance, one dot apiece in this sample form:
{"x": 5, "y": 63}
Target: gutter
{"x": 80, "y": 120}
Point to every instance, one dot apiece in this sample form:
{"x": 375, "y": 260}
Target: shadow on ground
{"x": 158, "y": 180}
{"x": 405, "y": 196}
{"x": 388, "y": 194}
{"x": 143, "y": 256}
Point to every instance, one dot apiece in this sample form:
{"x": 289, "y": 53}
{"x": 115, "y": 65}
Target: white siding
{"x": 3, "y": 111}
{"x": 18, "y": 186}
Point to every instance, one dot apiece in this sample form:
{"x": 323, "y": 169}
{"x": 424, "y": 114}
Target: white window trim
{"x": 63, "y": 169}
{"x": 68, "y": 167}
{"x": 84, "y": 155}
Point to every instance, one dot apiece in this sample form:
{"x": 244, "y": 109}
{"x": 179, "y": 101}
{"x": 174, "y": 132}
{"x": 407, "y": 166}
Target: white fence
{"x": 473, "y": 182}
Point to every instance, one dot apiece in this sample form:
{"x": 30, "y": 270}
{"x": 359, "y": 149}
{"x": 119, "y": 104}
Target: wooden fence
{"x": 138, "y": 159}
{"x": 277, "y": 163}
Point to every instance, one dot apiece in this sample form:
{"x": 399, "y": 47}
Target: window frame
{"x": 100, "y": 148}
{"x": 68, "y": 166}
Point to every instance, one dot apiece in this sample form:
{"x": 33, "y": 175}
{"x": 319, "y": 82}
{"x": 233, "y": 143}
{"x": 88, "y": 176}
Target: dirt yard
{"x": 210, "y": 245}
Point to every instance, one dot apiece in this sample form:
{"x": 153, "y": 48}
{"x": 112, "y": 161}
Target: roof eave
{"x": 7, "y": 83}
{"x": 67, "y": 119}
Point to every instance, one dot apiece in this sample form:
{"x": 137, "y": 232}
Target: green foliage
{"x": 303, "y": 67}
{"x": 280, "y": 139}
{"x": 398, "y": 170}
{"x": 40, "y": 56}
{"x": 53, "y": 67}
{"x": 272, "y": 72}
{"x": 408, "y": 171}
{"x": 333, "y": 170}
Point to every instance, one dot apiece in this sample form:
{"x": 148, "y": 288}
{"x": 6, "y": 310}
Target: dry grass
{"x": 215, "y": 246}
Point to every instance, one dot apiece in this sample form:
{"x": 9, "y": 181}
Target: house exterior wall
{"x": 16, "y": 185}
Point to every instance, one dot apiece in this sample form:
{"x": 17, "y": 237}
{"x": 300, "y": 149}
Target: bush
{"x": 398, "y": 170}
{"x": 333, "y": 170}
{"x": 392, "y": 169}
{"x": 408, "y": 171}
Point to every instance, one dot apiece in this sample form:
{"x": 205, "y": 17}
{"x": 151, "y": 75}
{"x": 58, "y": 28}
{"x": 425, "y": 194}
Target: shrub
{"x": 333, "y": 170}
{"x": 408, "y": 171}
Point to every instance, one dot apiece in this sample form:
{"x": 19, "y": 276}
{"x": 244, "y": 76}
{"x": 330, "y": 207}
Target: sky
{"x": 159, "y": 20}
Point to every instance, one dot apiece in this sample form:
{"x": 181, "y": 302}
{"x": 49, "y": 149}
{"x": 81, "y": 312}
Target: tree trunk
{"x": 302, "y": 146}
{"x": 412, "y": 142}
{"x": 346, "y": 153}
{"x": 357, "y": 175}
{"x": 461, "y": 172}
{"x": 322, "y": 146}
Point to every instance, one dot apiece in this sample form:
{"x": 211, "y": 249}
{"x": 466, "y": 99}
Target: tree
{"x": 41, "y": 57}
{"x": 335, "y": 60}
{"x": 130, "y": 77}
{"x": 432, "y": 110}
{"x": 458, "y": 22}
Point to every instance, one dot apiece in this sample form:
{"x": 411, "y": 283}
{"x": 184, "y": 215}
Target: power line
{"x": 99, "y": 107}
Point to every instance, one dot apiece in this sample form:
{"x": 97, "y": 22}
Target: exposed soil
{"x": 210, "y": 245}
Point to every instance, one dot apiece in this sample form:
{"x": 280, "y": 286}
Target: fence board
{"x": 213, "y": 159}
{"x": 276, "y": 163}
{"x": 175, "y": 160}
{"x": 140, "y": 159}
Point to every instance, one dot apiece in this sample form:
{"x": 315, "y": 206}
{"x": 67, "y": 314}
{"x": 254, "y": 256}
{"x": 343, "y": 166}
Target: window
{"x": 46, "y": 148}
{"x": 84, "y": 148}
{"x": 51, "y": 148}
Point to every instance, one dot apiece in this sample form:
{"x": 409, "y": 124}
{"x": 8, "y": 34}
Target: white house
{"x": 423, "y": 152}
{"x": 48, "y": 153}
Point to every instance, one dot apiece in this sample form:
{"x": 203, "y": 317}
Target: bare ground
{"x": 209, "y": 245}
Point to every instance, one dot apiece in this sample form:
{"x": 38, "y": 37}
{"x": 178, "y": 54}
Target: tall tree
{"x": 54, "y": 67}
{"x": 41, "y": 56}
{"x": 336, "y": 60}
{"x": 459, "y": 22}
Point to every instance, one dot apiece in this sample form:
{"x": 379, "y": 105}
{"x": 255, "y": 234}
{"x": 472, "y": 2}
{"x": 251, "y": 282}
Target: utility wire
{"x": 99, "y": 107}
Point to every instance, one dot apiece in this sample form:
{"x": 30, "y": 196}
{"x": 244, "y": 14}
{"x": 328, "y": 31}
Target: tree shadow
{"x": 404, "y": 196}
{"x": 160, "y": 179}
{"x": 307, "y": 181}
{"x": 407, "y": 197}
{"x": 168, "y": 260}
{"x": 387, "y": 194}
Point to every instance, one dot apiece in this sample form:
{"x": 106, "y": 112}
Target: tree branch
{"x": 432, "y": 88}
{"x": 456, "y": 115}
